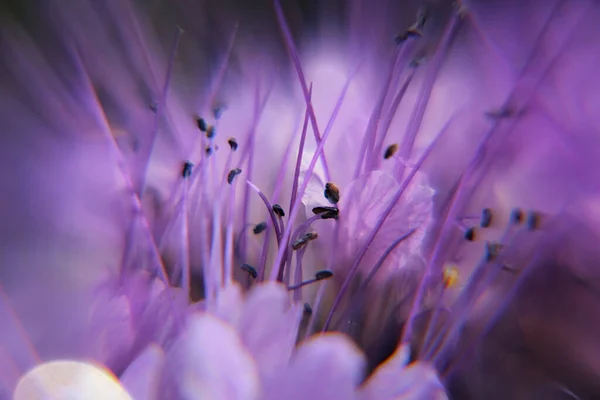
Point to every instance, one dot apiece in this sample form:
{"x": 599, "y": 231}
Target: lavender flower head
{"x": 295, "y": 199}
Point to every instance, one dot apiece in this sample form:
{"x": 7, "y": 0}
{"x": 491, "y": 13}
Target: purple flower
{"x": 341, "y": 200}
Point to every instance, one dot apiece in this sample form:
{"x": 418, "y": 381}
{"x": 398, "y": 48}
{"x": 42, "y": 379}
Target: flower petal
{"x": 142, "y": 377}
{"x": 208, "y": 361}
{"x": 228, "y": 305}
{"x": 393, "y": 380}
{"x": 326, "y": 367}
{"x": 69, "y": 380}
{"x": 269, "y": 327}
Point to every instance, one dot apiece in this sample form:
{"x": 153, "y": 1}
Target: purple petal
{"x": 208, "y": 361}
{"x": 325, "y": 367}
{"x": 228, "y": 305}
{"x": 269, "y": 327}
{"x": 142, "y": 377}
{"x": 394, "y": 380}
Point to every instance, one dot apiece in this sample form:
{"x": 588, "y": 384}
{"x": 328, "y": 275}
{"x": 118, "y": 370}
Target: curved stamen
{"x": 269, "y": 209}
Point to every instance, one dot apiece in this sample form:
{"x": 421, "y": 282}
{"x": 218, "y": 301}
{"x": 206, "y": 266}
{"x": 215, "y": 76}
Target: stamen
{"x": 228, "y": 270}
{"x": 218, "y": 111}
{"x": 232, "y": 174}
{"x": 390, "y": 151}
{"x": 323, "y": 274}
{"x": 319, "y": 276}
{"x": 500, "y": 113}
{"x": 209, "y": 150}
{"x": 186, "y": 172}
{"x": 492, "y": 249}
{"x": 307, "y": 237}
{"x": 533, "y": 220}
{"x": 233, "y": 144}
{"x": 486, "y": 218}
{"x": 327, "y": 212}
{"x": 391, "y": 114}
{"x": 332, "y": 193}
{"x": 277, "y": 209}
{"x": 250, "y": 270}
{"x": 300, "y": 152}
{"x": 408, "y": 34}
{"x": 517, "y": 216}
{"x": 210, "y": 132}
{"x": 259, "y": 228}
{"x": 307, "y": 309}
{"x": 202, "y": 124}
{"x": 469, "y": 234}
{"x": 160, "y": 107}
{"x": 433, "y": 69}
{"x": 415, "y": 30}
{"x": 293, "y": 53}
{"x": 270, "y": 209}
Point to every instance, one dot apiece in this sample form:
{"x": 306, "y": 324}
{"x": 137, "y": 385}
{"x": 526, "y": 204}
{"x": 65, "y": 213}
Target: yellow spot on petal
{"x": 69, "y": 380}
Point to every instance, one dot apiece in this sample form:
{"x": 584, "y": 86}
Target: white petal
{"x": 324, "y": 368}
{"x": 208, "y": 361}
{"x": 69, "y": 380}
{"x": 142, "y": 377}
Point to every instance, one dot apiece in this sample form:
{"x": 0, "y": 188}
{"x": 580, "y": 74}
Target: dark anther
{"x": 411, "y": 32}
{"x": 307, "y": 237}
{"x": 307, "y": 309}
{"x": 330, "y": 215}
{"x": 154, "y": 107}
{"x": 417, "y": 61}
{"x": 324, "y": 274}
{"x": 210, "y": 132}
{"x": 250, "y": 270}
{"x": 233, "y": 144}
{"x": 259, "y": 228}
{"x": 390, "y": 151}
{"x": 492, "y": 249}
{"x": 202, "y": 124}
{"x": 516, "y": 216}
{"x": 327, "y": 212}
{"x": 470, "y": 234}
{"x": 499, "y": 114}
{"x": 422, "y": 17}
{"x": 186, "y": 172}
{"x": 277, "y": 209}
{"x": 209, "y": 151}
{"x": 486, "y": 218}
{"x": 218, "y": 111}
{"x": 332, "y": 193}
{"x": 232, "y": 174}
{"x": 533, "y": 220}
